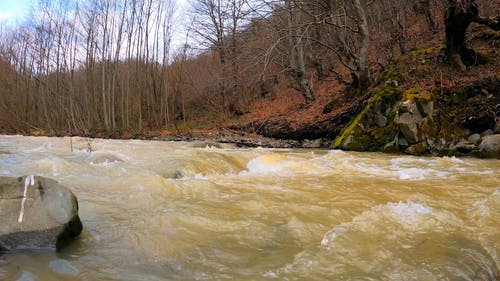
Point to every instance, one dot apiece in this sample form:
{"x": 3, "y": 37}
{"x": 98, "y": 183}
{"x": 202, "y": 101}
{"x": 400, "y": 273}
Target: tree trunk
{"x": 459, "y": 15}
{"x": 361, "y": 75}
{"x": 457, "y": 19}
{"x": 361, "y": 79}
{"x": 423, "y": 7}
{"x": 297, "y": 60}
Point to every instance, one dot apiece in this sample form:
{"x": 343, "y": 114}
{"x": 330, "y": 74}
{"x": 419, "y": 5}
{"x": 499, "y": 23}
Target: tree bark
{"x": 459, "y": 15}
{"x": 361, "y": 76}
{"x": 423, "y": 7}
{"x": 297, "y": 57}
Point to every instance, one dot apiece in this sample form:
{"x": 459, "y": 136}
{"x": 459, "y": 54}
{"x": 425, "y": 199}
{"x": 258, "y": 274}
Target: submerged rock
{"x": 43, "y": 216}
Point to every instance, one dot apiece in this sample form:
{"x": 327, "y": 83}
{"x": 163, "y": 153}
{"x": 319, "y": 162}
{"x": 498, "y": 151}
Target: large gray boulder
{"x": 490, "y": 146}
{"x": 408, "y": 124}
{"x": 47, "y": 217}
{"x": 412, "y": 118}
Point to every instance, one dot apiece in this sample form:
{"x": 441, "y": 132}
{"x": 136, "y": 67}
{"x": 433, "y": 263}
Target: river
{"x": 156, "y": 210}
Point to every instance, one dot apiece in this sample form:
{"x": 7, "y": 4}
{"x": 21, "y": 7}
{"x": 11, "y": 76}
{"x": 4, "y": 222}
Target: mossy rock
{"x": 362, "y": 134}
{"x": 347, "y": 131}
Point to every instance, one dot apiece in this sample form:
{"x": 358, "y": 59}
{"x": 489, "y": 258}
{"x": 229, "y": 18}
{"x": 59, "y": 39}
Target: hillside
{"x": 292, "y": 77}
{"x": 472, "y": 96}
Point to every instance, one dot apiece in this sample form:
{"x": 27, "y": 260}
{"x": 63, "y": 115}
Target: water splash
{"x": 29, "y": 181}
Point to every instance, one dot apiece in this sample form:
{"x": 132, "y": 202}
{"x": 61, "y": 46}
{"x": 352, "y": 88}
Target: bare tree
{"x": 423, "y": 7}
{"x": 295, "y": 35}
{"x": 346, "y": 33}
{"x": 216, "y": 24}
{"x": 459, "y": 15}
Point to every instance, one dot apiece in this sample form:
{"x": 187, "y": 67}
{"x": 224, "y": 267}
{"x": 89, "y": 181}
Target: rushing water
{"x": 191, "y": 211}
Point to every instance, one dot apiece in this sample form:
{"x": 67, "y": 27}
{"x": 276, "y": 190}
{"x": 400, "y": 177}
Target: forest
{"x": 112, "y": 66}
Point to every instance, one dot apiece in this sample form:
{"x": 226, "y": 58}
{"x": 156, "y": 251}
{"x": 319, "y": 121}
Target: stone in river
{"x": 50, "y": 217}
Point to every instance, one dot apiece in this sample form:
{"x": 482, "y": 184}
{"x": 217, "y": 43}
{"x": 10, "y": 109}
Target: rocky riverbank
{"x": 418, "y": 105}
{"x": 457, "y": 121}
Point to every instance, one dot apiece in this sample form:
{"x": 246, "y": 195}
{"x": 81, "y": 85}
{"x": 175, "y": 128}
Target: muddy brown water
{"x": 188, "y": 211}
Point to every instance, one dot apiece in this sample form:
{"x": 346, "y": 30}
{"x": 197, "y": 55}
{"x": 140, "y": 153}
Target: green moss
{"x": 382, "y": 136}
{"x": 392, "y": 74}
{"x": 348, "y": 130}
{"x": 423, "y": 52}
{"x": 423, "y": 71}
{"x": 371, "y": 140}
{"x": 388, "y": 95}
{"x": 416, "y": 94}
{"x": 368, "y": 139}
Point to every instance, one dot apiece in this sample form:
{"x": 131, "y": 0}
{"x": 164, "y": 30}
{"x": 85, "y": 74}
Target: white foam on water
{"x": 63, "y": 267}
{"x": 406, "y": 168}
{"x": 10, "y": 159}
{"x": 271, "y": 274}
{"x": 197, "y": 176}
{"x": 106, "y": 162}
{"x": 407, "y": 160}
{"x": 45, "y": 147}
{"x": 106, "y": 158}
{"x": 270, "y": 187}
{"x": 486, "y": 212}
{"x": 200, "y": 176}
{"x": 267, "y": 164}
{"x": 332, "y": 234}
{"x": 485, "y": 215}
{"x": 27, "y": 276}
{"x": 400, "y": 168}
{"x": 408, "y": 216}
{"x": 453, "y": 159}
{"x": 52, "y": 165}
{"x": 420, "y": 174}
{"x": 283, "y": 165}
{"x": 409, "y": 213}
{"x": 371, "y": 170}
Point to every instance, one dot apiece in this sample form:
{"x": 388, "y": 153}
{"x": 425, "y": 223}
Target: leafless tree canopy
{"x": 90, "y": 66}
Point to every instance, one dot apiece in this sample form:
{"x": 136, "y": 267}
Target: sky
{"x": 14, "y": 10}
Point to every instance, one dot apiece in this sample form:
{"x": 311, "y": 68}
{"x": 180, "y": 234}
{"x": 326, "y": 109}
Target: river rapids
{"x": 156, "y": 210}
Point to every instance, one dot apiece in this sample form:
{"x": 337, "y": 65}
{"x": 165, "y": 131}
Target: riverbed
{"x": 155, "y": 210}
